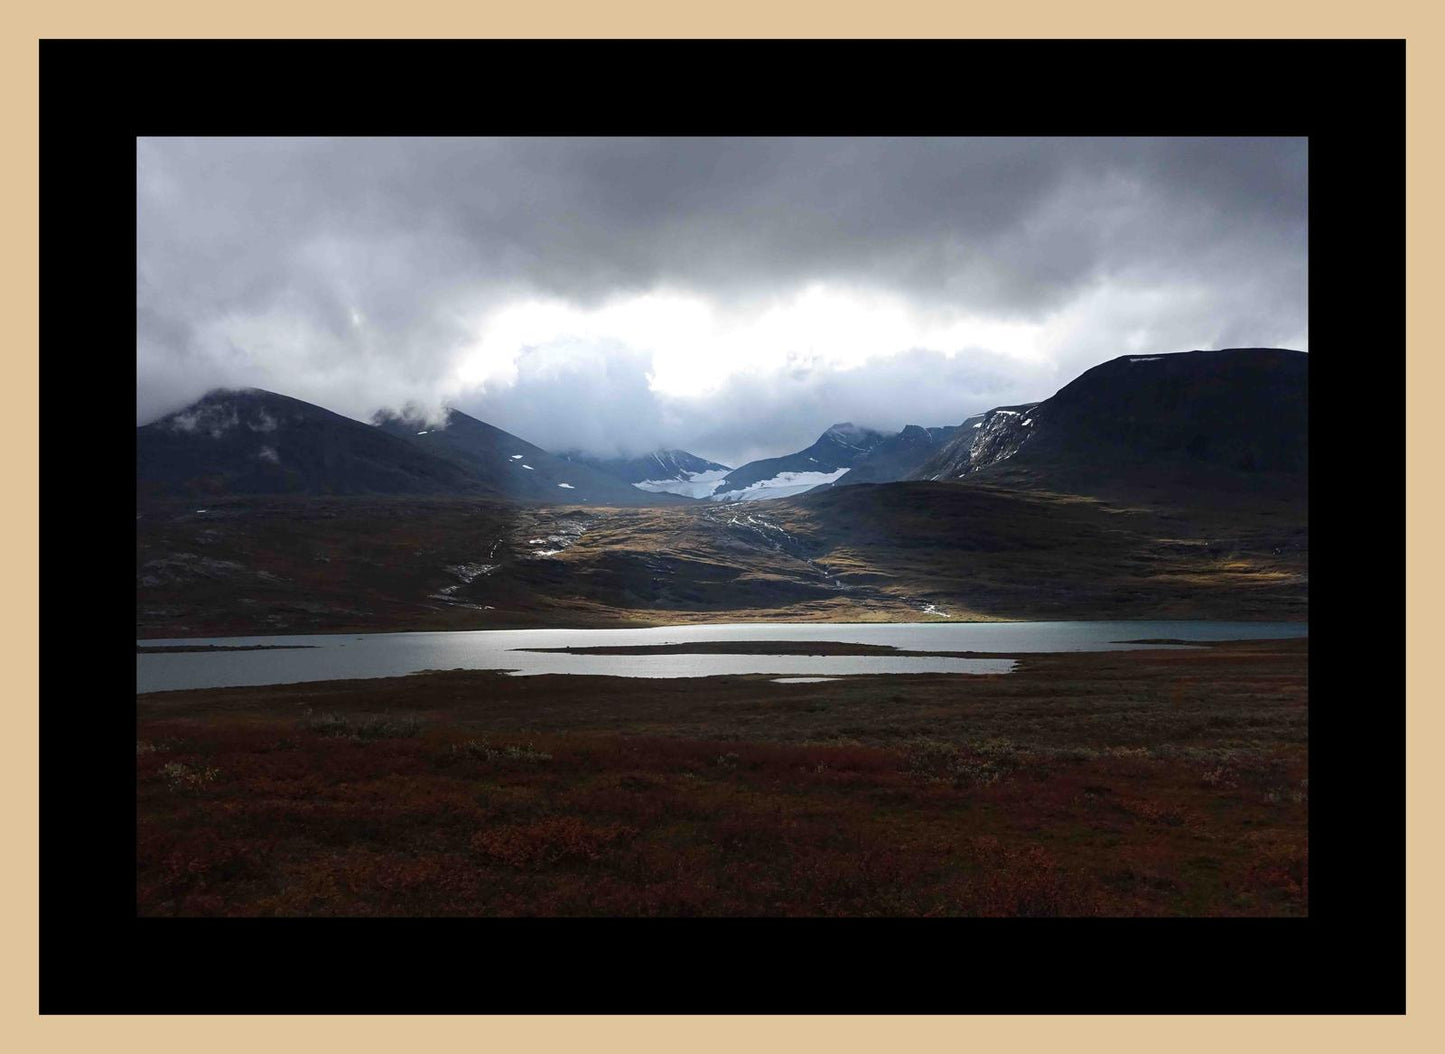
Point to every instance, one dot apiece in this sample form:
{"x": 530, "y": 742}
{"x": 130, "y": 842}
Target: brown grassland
{"x": 1117, "y": 784}
{"x": 901, "y": 552}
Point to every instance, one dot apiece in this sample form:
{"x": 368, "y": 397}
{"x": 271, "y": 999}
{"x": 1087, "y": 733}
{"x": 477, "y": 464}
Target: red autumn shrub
{"x": 548, "y": 842}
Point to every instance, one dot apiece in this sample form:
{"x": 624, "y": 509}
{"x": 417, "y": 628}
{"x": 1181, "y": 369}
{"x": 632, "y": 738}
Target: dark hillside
{"x": 251, "y": 441}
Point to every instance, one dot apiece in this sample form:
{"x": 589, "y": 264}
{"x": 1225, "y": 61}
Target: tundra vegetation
{"x": 1122, "y": 783}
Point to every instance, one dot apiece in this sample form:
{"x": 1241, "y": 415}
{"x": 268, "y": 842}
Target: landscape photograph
{"x": 715, "y": 526}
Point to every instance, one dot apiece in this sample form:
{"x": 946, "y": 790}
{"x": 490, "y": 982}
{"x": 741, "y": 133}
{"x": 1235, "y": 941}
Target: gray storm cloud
{"x": 361, "y": 274}
{"x": 753, "y": 416}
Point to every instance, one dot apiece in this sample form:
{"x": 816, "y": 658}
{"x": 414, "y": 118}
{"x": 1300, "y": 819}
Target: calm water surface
{"x": 342, "y": 657}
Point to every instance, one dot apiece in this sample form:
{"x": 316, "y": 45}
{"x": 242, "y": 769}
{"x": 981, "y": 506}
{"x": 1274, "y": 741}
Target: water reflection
{"x": 334, "y": 657}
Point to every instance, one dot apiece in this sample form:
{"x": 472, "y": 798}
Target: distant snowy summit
{"x": 835, "y": 452}
{"x": 661, "y": 472}
{"x": 845, "y": 453}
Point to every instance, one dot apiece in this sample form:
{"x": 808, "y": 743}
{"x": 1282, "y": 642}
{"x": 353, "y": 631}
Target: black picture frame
{"x": 1347, "y": 97}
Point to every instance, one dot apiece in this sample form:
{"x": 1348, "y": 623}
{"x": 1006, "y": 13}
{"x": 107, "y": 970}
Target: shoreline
{"x": 163, "y": 649}
{"x": 716, "y": 625}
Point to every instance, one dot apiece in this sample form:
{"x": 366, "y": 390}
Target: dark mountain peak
{"x": 454, "y": 420}
{"x": 834, "y": 452}
{"x": 688, "y": 462}
{"x": 1222, "y": 355}
{"x": 222, "y": 410}
{"x": 895, "y": 457}
{"x": 251, "y": 441}
{"x": 687, "y": 457}
{"x": 848, "y": 432}
{"x": 914, "y": 436}
{"x": 220, "y": 395}
{"x": 1197, "y": 415}
{"x": 1195, "y": 363}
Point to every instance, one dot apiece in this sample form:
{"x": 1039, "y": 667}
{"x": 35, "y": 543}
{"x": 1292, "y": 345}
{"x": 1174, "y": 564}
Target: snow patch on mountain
{"x": 783, "y": 485}
{"x": 690, "y": 485}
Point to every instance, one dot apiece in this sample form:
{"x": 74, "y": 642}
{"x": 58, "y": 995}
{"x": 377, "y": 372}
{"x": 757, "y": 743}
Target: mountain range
{"x": 251, "y": 441}
{"x": 509, "y": 467}
{"x": 1206, "y": 414}
{"x": 1162, "y": 486}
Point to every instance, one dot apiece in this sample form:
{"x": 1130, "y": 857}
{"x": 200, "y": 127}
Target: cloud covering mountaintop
{"x": 732, "y": 297}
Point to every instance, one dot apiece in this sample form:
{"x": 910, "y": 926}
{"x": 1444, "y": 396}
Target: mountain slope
{"x": 251, "y": 441}
{"x": 661, "y": 472}
{"x": 896, "y": 457}
{"x": 1151, "y": 487}
{"x": 513, "y": 468}
{"x": 1215, "y": 419}
{"x": 838, "y": 449}
{"x": 980, "y": 440}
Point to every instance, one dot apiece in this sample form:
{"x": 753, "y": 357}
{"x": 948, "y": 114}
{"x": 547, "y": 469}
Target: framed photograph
{"x": 815, "y": 526}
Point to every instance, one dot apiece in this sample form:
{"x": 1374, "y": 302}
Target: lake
{"x": 325, "y": 657}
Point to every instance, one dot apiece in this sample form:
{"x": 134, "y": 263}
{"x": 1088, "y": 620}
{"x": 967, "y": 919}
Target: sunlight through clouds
{"x": 694, "y": 348}
{"x": 624, "y": 292}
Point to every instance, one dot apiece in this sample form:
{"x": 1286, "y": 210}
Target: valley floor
{"x": 902, "y": 552}
{"x": 1117, "y": 783}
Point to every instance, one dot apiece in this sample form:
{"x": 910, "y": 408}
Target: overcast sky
{"x": 733, "y": 297}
